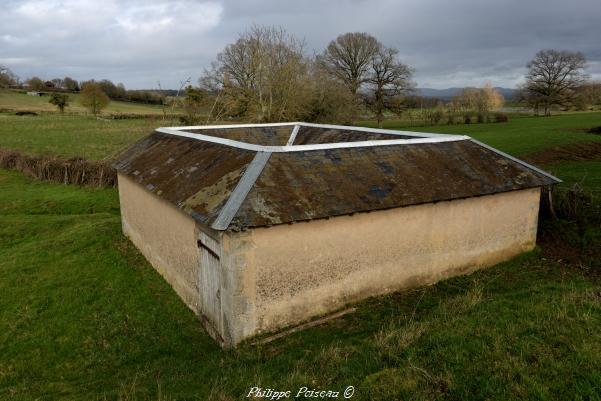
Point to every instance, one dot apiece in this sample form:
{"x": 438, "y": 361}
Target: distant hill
{"x": 451, "y": 92}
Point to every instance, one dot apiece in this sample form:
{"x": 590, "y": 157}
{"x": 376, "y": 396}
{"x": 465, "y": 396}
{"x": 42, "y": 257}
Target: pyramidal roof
{"x": 233, "y": 177}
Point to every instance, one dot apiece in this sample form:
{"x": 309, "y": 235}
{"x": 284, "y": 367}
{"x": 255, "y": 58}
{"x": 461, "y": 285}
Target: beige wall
{"x": 307, "y": 269}
{"x": 274, "y": 277}
{"x": 165, "y": 235}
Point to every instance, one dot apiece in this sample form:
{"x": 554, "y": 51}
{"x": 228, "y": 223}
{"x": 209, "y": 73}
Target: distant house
{"x": 259, "y": 227}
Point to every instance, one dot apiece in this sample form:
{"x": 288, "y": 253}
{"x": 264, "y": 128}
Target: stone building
{"x": 259, "y": 227}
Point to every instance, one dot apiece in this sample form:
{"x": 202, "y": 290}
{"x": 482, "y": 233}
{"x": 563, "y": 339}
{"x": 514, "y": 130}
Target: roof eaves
{"x": 515, "y": 159}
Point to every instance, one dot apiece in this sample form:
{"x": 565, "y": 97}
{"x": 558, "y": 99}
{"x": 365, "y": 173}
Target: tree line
{"x": 70, "y": 85}
{"x": 556, "y": 78}
{"x": 267, "y": 75}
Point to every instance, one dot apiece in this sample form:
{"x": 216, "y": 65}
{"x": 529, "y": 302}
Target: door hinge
{"x": 202, "y": 245}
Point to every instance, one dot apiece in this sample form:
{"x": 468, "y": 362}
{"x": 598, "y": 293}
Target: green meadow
{"x": 83, "y": 316}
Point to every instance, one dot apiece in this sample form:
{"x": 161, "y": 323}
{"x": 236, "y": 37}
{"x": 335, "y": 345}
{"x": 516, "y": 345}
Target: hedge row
{"x": 67, "y": 171}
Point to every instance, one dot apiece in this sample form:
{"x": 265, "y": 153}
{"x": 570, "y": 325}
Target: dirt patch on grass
{"x": 556, "y": 249}
{"x": 566, "y": 153}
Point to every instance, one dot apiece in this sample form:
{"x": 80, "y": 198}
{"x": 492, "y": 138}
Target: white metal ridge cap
{"x": 320, "y": 146}
{"x": 214, "y": 139}
{"x": 222, "y": 126}
{"x": 300, "y": 123}
{"x": 370, "y": 144}
{"x": 375, "y": 130}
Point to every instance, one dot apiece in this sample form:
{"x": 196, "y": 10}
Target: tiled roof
{"x": 252, "y": 179}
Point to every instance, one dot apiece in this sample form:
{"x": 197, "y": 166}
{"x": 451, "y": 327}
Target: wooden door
{"x": 209, "y": 283}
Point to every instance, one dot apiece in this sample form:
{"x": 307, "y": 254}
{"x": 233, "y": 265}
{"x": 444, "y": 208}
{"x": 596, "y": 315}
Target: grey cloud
{"x": 463, "y": 42}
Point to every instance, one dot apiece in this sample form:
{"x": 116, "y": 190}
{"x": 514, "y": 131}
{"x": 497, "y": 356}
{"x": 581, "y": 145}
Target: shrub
{"x": 93, "y": 98}
{"x": 501, "y": 118}
{"x": 595, "y": 130}
{"x": 60, "y": 100}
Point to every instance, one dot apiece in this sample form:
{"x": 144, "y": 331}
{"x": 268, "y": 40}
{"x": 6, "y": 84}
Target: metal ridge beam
{"x": 301, "y": 148}
{"x": 303, "y": 124}
{"x": 238, "y": 195}
{"x": 293, "y": 135}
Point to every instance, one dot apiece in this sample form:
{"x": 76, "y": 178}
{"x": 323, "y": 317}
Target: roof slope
{"x": 314, "y": 135}
{"x": 249, "y": 177}
{"x": 196, "y": 176}
{"x": 322, "y": 183}
{"x": 259, "y": 135}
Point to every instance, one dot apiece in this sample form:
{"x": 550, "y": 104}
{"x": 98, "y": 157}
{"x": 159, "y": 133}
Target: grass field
{"x": 71, "y": 135}
{"x": 12, "y": 100}
{"x": 84, "y": 317}
{"x": 584, "y": 173}
{"x": 82, "y": 135}
{"x": 521, "y": 135}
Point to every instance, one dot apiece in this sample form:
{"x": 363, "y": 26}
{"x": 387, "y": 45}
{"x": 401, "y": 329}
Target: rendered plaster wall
{"x": 165, "y": 236}
{"x": 294, "y": 272}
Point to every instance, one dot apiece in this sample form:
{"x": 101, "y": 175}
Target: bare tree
{"x": 93, "y": 98}
{"x": 553, "y": 76}
{"x": 58, "y": 83}
{"x": 588, "y": 95}
{"x": 331, "y": 102}
{"x": 389, "y": 78}
{"x": 70, "y": 84}
{"x": 263, "y": 76}
{"x": 7, "y": 78}
{"x": 349, "y": 58}
{"x": 35, "y": 83}
{"x": 193, "y": 105}
{"x": 176, "y": 100}
{"x": 487, "y": 99}
{"x": 477, "y": 100}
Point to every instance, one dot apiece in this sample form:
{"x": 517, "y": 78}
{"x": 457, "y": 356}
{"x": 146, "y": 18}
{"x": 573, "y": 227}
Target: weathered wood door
{"x": 209, "y": 283}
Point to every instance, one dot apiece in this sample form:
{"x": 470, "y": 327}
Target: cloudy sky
{"x": 137, "y": 42}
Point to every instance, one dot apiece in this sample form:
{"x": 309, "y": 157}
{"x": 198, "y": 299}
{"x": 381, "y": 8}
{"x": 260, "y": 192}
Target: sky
{"x": 143, "y": 42}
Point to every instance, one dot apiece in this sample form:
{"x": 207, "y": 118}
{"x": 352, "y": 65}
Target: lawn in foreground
{"x": 84, "y": 317}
